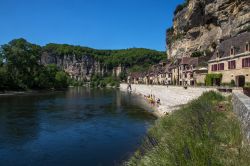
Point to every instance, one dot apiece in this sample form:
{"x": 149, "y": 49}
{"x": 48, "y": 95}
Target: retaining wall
{"x": 241, "y": 106}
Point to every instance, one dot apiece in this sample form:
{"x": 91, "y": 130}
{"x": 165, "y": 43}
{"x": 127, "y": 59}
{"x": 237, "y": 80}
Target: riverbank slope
{"x": 203, "y": 132}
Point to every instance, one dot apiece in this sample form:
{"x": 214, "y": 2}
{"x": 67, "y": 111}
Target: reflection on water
{"x": 77, "y": 127}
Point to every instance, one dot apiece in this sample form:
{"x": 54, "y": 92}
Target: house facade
{"x": 182, "y": 72}
{"x": 232, "y": 61}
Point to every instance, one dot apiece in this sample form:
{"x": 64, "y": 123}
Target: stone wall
{"x": 241, "y": 106}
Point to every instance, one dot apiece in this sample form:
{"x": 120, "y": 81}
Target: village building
{"x": 232, "y": 61}
{"x": 168, "y": 74}
{"x": 137, "y": 78}
{"x": 174, "y": 68}
{"x": 193, "y": 70}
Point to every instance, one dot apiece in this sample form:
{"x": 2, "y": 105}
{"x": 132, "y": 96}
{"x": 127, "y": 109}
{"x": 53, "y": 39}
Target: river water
{"x": 78, "y": 127}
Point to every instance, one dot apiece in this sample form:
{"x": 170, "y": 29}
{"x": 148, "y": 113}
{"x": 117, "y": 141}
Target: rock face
{"x": 81, "y": 68}
{"x": 202, "y": 24}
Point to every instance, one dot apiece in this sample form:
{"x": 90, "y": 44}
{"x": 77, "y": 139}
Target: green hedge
{"x": 210, "y": 77}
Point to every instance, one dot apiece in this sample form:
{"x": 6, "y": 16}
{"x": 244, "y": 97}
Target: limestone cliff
{"x": 202, "y": 24}
{"x": 80, "y": 68}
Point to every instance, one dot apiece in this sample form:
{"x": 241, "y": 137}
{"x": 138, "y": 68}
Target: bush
{"x": 98, "y": 81}
{"x": 232, "y": 83}
{"x": 197, "y": 54}
{"x": 210, "y": 78}
{"x": 61, "y": 79}
{"x": 123, "y": 76}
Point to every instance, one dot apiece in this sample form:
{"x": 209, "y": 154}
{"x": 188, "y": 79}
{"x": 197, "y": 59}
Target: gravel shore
{"x": 171, "y": 97}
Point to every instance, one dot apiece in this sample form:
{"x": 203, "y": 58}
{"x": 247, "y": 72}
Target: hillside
{"x": 83, "y": 62}
{"x": 24, "y": 65}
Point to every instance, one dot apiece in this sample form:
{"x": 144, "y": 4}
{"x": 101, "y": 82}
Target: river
{"x": 77, "y": 127}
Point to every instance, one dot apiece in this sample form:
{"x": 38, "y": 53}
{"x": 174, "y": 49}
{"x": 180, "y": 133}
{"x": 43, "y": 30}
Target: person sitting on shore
{"x": 158, "y": 101}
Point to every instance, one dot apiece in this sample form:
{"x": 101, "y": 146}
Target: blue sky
{"x": 101, "y": 24}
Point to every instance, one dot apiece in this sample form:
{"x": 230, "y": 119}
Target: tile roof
{"x": 189, "y": 61}
{"x": 238, "y": 43}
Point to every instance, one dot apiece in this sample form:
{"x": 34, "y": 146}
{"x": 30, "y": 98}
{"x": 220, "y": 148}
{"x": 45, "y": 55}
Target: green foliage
{"x": 139, "y": 68}
{"x": 23, "y": 68}
{"x": 197, "y": 54}
{"x": 200, "y": 133}
{"x": 3, "y": 78}
{"x": 61, "y": 80}
{"x": 104, "y": 81}
{"x": 25, "y": 72}
{"x": 210, "y": 78}
{"x": 73, "y": 82}
{"x": 22, "y": 58}
{"x": 123, "y": 76}
{"x": 131, "y": 57}
{"x": 45, "y": 79}
{"x": 232, "y": 83}
{"x": 109, "y": 58}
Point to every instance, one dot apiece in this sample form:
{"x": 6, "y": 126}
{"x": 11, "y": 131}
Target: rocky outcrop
{"x": 79, "y": 68}
{"x": 202, "y": 24}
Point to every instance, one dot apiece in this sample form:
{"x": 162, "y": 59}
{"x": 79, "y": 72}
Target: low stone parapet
{"x": 241, "y": 106}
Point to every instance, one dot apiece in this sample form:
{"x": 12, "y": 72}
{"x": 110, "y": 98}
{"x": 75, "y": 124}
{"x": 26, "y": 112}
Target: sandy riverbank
{"x": 171, "y": 97}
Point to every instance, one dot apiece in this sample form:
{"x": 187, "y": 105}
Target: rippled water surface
{"x": 79, "y": 127}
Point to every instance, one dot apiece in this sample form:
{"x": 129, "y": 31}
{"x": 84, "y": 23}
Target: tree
{"x": 22, "y": 58}
{"x": 61, "y": 79}
{"x": 3, "y": 78}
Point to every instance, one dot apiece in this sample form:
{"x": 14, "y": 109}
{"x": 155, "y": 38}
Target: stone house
{"x": 168, "y": 74}
{"x": 232, "y": 60}
{"x": 193, "y": 70}
{"x": 200, "y": 74}
{"x": 174, "y": 69}
{"x": 136, "y": 78}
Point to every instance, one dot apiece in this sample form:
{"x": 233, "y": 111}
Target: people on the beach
{"x": 158, "y": 101}
{"x": 152, "y": 100}
{"x": 129, "y": 88}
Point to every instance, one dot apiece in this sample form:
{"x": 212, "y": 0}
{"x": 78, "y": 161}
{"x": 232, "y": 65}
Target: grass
{"x": 204, "y": 132}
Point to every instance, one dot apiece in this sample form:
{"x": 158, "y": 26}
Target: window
{"x": 246, "y": 62}
{"x": 214, "y": 67}
{"x": 191, "y": 75}
{"x": 221, "y": 66}
{"x": 247, "y": 47}
{"x": 232, "y": 51}
{"x": 231, "y": 65}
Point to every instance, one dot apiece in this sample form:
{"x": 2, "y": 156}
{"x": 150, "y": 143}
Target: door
{"x": 240, "y": 81}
